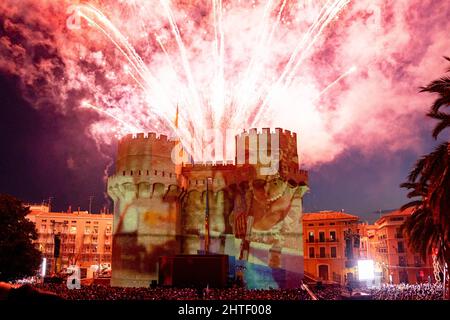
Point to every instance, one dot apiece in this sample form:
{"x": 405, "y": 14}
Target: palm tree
{"x": 428, "y": 227}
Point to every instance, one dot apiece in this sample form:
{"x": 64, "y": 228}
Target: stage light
{"x": 366, "y": 270}
{"x": 44, "y": 267}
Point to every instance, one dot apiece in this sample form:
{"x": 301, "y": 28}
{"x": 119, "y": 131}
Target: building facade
{"x": 84, "y": 239}
{"x": 395, "y": 261}
{"x": 331, "y": 246}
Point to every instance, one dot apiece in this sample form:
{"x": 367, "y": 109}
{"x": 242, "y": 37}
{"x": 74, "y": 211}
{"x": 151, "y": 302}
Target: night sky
{"x": 354, "y": 101}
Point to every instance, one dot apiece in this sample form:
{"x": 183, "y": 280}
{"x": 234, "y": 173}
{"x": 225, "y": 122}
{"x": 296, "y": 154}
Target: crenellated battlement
{"x": 146, "y": 136}
{"x": 147, "y": 173}
{"x": 210, "y": 164}
{"x": 267, "y": 131}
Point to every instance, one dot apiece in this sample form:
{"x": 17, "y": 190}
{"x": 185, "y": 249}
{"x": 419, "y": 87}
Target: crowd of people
{"x": 327, "y": 292}
{"x": 102, "y": 292}
{"x": 422, "y": 291}
{"x": 245, "y": 294}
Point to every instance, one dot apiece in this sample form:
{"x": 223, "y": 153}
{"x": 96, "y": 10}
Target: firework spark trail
{"x": 143, "y": 72}
{"x": 218, "y": 92}
{"x": 324, "y": 18}
{"x": 319, "y": 24}
{"x": 130, "y": 127}
{"x": 128, "y": 51}
{"x": 288, "y": 66}
{"x": 246, "y": 86}
{"x": 334, "y": 12}
{"x": 191, "y": 83}
{"x": 342, "y": 76}
{"x": 262, "y": 53}
{"x": 172, "y": 69}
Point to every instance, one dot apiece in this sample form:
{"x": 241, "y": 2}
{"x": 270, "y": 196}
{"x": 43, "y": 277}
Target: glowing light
{"x": 366, "y": 270}
{"x": 44, "y": 267}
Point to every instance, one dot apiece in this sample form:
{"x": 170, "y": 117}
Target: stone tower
{"x": 255, "y": 206}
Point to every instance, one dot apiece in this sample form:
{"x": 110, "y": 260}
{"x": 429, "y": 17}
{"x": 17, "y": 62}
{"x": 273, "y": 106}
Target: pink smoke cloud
{"x": 226, "y": 66}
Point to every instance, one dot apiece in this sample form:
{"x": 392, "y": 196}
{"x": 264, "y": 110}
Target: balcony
{"x": 321, "y": 240}
{"x": 322, "y": 256}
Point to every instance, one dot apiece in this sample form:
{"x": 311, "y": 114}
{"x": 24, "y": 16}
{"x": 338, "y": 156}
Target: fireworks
{"x": 219, "y": 102}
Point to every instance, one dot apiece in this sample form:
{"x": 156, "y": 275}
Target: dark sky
{"x": 50, "y": 155}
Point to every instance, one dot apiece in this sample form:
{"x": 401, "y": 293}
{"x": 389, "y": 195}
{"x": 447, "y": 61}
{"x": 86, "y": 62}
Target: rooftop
{"x": 328, "y": 215}
{"x": 79, "y": 214}
{"x": 395, "y": 213}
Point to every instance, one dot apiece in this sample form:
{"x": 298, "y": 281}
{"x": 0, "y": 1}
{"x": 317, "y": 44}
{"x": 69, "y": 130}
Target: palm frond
{"x": 444, "y": 100}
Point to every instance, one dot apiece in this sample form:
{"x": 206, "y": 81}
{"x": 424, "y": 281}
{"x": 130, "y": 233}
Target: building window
{"x": 87, "y": 230}
{"x": 400, "y": 247}
{"x": 333, "y": 252}
{"x": 321, "y": 236}
{"x": 402, "y": 261}
{"x": 311, "y": 252}
{"x": 332, "y": 223}
{"x": 95, "y": 229}
{"x": 398, "y": 233}
{"x": 88, "y": 222}
{"x": 74, "y": 222}
{"x": 311, "y": 236}
{"x": 322, "y": 252}
{"x": 417, "y": 261}
{"x": 321, "y": 224}
{"x": 311, "y": 225}
{"x": 332, "y": 235}
{"x": 73, "y": 230}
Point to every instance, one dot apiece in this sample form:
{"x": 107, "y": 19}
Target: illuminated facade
{"x": 395, "y": 262}
{"x": 86, "y": 239}
{"x": 332, "y": 245}
{"x": 251, "y": 208}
